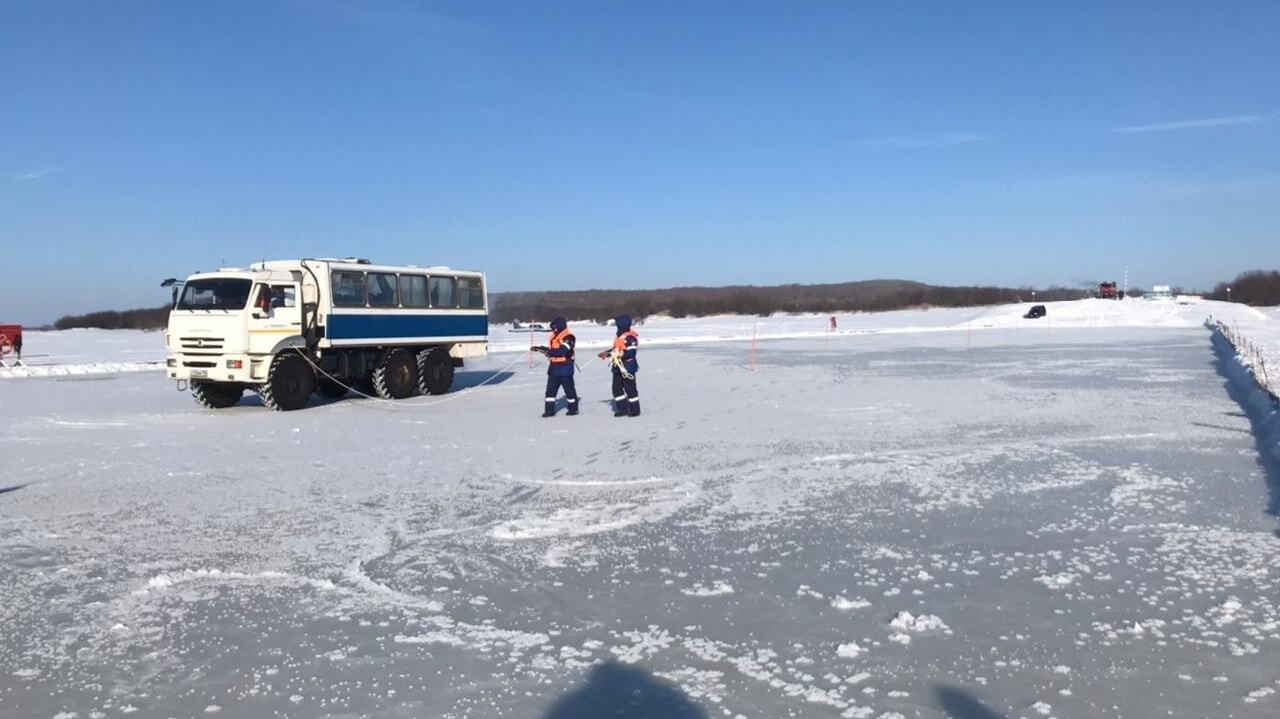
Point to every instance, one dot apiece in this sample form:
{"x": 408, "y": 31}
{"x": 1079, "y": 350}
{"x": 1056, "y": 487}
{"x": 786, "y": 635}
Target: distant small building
{"x": 1159, "y": 292}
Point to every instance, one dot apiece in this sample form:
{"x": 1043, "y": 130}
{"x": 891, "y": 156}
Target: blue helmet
{"x": 559, "y": 324}
{"x": 622, "y": 322}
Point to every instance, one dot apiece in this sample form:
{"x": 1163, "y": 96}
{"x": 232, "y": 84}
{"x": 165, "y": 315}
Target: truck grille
{"x": 201, "y": 343}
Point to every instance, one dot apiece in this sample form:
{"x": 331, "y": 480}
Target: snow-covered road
{"x": 1061, "y": 522}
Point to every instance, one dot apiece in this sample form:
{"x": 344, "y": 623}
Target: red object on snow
{"x": 10, "y": 339}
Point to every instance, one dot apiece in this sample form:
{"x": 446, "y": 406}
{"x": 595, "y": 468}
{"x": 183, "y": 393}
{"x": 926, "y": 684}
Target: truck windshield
{"x": 215, "y": 294}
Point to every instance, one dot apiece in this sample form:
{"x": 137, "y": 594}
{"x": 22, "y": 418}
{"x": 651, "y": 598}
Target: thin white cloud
{"x": 1193, "y": 124}
{"x": 35, "y": 174}
{"x": 916, "y": 142}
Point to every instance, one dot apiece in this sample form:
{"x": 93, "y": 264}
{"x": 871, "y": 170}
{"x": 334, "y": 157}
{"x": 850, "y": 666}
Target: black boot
{"x": 620, "y": 407}
{"x": 573, "y": 407}
{"x": 633, "y": 407}
{"x": 550, "y": 410}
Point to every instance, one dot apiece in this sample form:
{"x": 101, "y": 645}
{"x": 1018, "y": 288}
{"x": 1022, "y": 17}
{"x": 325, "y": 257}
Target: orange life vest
{"x": 556, "y": 339}
{"x": 620, "y": 342}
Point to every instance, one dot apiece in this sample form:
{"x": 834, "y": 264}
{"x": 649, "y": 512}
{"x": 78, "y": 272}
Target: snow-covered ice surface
{"x": 1029, "y": 520}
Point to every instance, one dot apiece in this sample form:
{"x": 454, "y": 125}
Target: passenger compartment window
{"x": 413, "y": 290}
{"x": 442, "y": 294}
{"x": 382, "y": 289}
{"x": 348, "y": 289}
{"x": 470, "y": 293}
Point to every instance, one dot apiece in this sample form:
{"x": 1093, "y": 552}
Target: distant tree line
{"x": 865, "y": 296}
{"x": 139, "y": 319}
{"x": 1255, "y": 287}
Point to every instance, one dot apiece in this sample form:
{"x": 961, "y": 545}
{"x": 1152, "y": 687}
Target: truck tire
{"x": 215, "y": 395}
{"x": 330, "y": 388}
{"x": 396, "y": 375}
{"x": 289, "y": 385}
{"x": 435, "y": 371}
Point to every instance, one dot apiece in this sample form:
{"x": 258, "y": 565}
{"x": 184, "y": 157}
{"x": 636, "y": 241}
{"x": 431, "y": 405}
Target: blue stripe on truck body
{"x": 405, "y": 327}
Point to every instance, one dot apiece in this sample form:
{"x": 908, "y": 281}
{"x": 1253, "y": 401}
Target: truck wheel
{"x": 396, "y": 376}
{"x": 435, "y": 371}
{"x": 289, "y": 384}
{"x": 330, "y": 388}
{"x": 214, "y": 395}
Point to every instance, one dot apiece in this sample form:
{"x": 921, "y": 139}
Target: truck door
{"x": 276, "y": 314}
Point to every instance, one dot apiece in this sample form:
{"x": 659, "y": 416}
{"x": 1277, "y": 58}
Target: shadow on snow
{"x": 959, "y": 704}
{"x": 623, "y": 692}
{"x": 469, "y": 379}
{"x": 461, "y": 381}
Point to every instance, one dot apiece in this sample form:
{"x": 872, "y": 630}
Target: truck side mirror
{"x": 176, "y": 284}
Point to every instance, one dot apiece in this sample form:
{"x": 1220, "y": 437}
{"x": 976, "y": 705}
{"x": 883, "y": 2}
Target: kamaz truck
{"x": 287, "y": 329}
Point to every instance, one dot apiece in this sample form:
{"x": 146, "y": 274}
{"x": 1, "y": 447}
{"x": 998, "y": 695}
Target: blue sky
{"x": 572, "y": 145}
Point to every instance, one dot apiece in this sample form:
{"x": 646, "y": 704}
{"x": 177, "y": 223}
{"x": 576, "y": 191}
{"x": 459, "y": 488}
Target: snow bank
{"x": 87, "y": 352}
{"x": 71, "y": 370}
{"x": 1253, "y": 373}
{"x": 1257, "y": 347}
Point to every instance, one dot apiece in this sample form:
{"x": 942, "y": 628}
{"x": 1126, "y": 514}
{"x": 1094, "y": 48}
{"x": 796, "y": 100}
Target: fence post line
{"x": 1248, "y": 353}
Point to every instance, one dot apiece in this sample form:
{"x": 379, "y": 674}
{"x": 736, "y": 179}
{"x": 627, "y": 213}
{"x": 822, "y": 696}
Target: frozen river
{"x": 1067, "y": 523}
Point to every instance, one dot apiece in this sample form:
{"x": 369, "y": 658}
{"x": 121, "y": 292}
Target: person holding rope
{"x": 622, "y": 358}
{"x": 560, "y": 365}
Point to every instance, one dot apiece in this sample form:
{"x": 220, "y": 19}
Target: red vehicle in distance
{"x": 10, "y": 341}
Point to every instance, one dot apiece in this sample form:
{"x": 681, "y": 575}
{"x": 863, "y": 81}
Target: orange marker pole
{"x": 530, "y": 348}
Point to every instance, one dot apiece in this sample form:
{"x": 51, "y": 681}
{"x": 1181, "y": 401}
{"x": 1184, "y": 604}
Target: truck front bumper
{"x": 240, "y": 368}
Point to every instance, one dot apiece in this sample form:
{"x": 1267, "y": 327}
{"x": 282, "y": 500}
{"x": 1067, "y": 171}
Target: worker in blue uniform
{"x": 622, "y": 357}
{"x": 560, "y": 366}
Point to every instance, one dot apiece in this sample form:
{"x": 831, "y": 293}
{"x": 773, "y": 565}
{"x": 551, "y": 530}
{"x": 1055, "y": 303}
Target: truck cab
{"x": 226, "y": 325}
